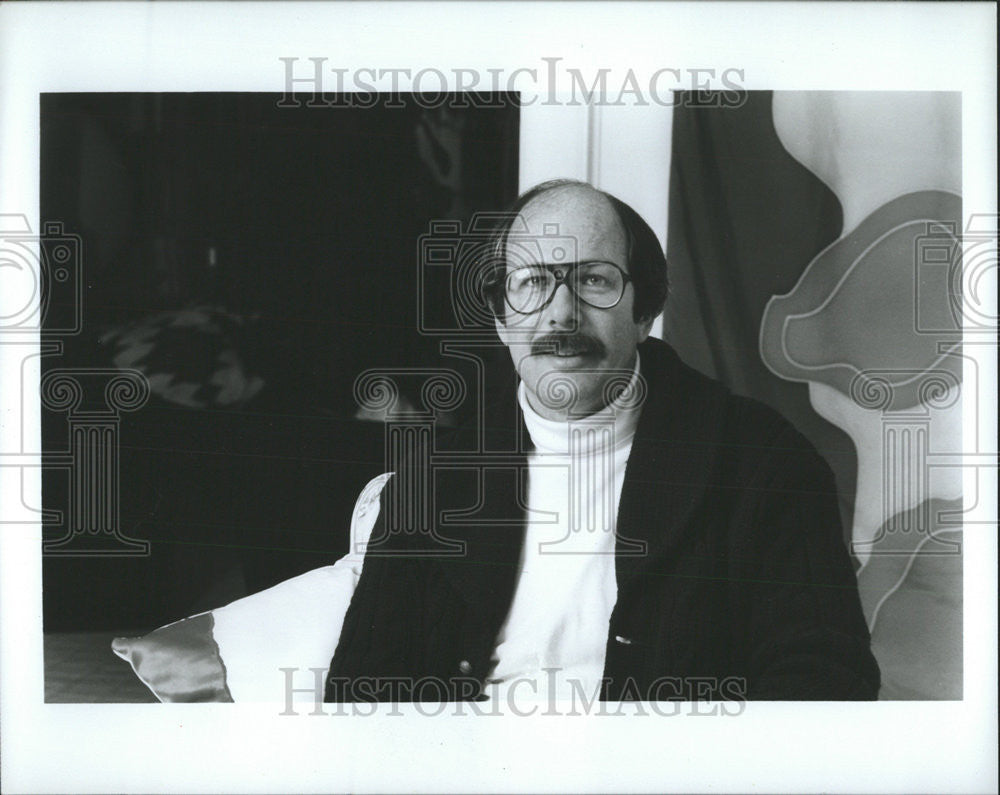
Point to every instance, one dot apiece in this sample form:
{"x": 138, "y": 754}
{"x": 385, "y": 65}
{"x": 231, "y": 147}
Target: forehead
{"x": 568, "y": 225}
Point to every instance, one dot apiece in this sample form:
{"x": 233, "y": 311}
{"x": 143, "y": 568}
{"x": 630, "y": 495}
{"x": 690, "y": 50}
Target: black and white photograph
{"x": 452, "y": 397}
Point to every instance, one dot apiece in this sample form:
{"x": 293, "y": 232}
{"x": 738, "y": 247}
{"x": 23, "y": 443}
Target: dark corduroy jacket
{"x": 733, "y": 578}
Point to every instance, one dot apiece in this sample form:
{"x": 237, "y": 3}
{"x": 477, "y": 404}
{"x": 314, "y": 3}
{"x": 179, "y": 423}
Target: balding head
{"x": 559, "y": 224}
{"x": 566, "y": 308}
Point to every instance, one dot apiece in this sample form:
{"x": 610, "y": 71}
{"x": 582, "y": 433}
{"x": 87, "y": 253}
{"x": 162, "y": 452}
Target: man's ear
{"x": 643, "y": 327}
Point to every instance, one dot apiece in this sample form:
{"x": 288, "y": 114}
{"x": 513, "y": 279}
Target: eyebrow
{"x": 575, "y": 264}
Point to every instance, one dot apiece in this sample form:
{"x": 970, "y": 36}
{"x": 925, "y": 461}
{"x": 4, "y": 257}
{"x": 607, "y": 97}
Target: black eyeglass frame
{"x": 570, "y": 268}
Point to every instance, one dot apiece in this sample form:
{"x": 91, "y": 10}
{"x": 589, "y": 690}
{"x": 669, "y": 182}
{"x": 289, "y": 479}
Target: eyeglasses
{"x": 598, "y": 284}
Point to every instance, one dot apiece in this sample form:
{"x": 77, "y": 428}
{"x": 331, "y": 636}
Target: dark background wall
{"x": 292, "y": 234}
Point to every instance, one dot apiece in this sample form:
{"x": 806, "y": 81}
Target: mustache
{"x": 556, "y": 342}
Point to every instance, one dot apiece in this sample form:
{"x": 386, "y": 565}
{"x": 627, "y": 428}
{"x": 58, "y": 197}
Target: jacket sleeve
{"x": 805, "y": 634}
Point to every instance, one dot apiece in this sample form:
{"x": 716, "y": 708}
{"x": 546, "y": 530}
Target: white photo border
{"x": 779, "y": 747}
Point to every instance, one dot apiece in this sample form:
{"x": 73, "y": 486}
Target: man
{"x": 629, "y": 525}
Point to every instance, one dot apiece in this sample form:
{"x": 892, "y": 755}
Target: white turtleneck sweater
{"x": 566, "y": 586}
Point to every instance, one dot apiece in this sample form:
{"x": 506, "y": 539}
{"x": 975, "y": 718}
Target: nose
{"x": 563, "y": 310}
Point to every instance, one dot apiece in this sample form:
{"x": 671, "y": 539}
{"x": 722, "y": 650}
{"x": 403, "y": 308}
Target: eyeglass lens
{"x": 599, "y": 284}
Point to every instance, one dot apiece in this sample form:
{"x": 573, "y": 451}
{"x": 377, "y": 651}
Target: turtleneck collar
{"x": 553, "y": 436}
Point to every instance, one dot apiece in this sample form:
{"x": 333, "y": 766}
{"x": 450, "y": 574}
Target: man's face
{"x": 569, "y": 339}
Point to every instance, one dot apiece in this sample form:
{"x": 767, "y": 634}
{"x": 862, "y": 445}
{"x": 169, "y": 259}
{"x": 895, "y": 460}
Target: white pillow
{"x": 238, "y": 652}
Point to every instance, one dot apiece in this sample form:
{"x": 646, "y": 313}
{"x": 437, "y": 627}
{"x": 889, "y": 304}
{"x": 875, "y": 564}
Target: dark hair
{"x": 647, "y": 264}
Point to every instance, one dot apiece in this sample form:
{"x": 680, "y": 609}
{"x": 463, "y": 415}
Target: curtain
{"x": 814, "y": 250}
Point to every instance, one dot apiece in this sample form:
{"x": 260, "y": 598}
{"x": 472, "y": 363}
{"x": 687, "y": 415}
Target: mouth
{"x": 570, "y": 347}
{"x": 570, "y": 353}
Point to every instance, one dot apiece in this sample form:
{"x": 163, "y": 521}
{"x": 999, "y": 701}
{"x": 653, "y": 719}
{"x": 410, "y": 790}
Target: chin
{"x": 569, "y": 393}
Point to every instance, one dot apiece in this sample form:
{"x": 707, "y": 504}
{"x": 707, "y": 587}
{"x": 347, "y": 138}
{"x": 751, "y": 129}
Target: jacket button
{"x": 623, "y": 640}
{"x": 465, "y": 667}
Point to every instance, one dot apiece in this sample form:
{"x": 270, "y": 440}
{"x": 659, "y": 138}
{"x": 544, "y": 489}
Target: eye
{"x": 527, "y": 279}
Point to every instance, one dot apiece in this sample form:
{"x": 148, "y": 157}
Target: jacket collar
{"x": 674, "y": 452}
